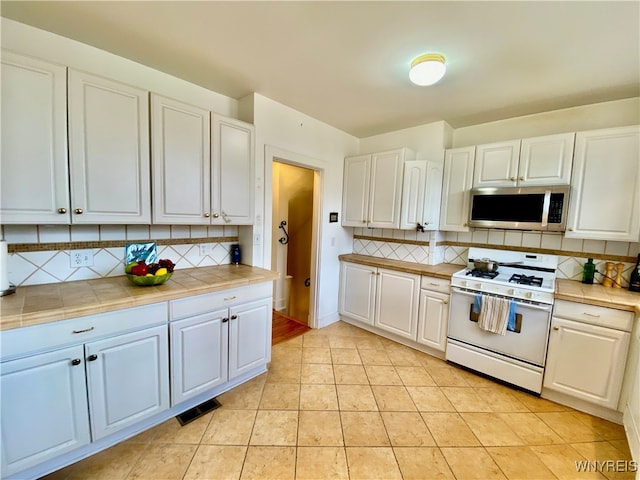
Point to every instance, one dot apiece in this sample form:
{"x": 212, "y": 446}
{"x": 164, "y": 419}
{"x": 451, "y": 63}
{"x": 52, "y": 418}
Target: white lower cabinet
{"x": 397, "y": 302}
{"x": 127, "y": 379}
{"x": 44, "y": 411}
{"x": 198, "y": 354}
{"x": 357, "y": 291}
{"x": 218, "y": 337}
{"x": 382, "y": 298}
{"x": 433, "y": 316}
{"x": 57, "y": 398}
{"x": 586, "y": 357}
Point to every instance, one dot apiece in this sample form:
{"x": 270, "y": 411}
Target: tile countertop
{"x": 60, "y": 301}
{"x": 442, "y": 270}
{"x": 619, "y": 298}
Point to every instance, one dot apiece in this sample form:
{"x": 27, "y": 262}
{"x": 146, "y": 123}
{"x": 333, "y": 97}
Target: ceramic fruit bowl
{"x": 149, "y": 280}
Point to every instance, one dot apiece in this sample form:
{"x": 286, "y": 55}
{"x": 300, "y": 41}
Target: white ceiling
{"x": 346, "y": 63}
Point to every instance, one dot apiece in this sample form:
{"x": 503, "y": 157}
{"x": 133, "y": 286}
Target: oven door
{"x": 527, "y": 343}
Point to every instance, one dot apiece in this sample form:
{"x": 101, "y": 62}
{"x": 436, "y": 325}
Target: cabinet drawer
{"x": 594, "y": 315}
{"x": 197, "y": 305}
{"x": 435, "y": 284}
{"x": 39, "y": 338}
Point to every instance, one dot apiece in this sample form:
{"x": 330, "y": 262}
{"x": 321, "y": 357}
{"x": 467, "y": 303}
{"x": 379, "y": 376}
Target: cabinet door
{"x": 232, "y": 191}
{"x": 586, "y": 361}
{"x": 199, "y": 351}
{"x": 385, "y": 189}
{"x": 249, "y": 336}
{"x": 432, "y": 196}
{"x": 128, "y": 379}
{"x": 456, "y": 183}
{"x": 546, "y": 160}
{"x": 43, "y": 408}
{"x": 180, "y": 152}
{"x": 605, "y": 185}
{"x": 355, "y": 191}
{"x": 413, "y": 193}
{"x": 357, "y": 291}
{"x": 496, "y": 164}
{"x": 34, "y": 179}
{"x": 433, "y": 319}
{"x": 397, "y": 302}
{"x": 108, "y": 151}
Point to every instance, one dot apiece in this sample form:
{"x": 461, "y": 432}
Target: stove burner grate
{"x": 526, "y": 280}
{"x": 482, "y": 274}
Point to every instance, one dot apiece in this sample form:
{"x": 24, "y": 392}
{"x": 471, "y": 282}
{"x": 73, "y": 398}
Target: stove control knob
{"x": 529, "y": 294}
{"x": 463, "y": 283}
{"x": 511, "y": 291}
{"x": 478, "y": 286}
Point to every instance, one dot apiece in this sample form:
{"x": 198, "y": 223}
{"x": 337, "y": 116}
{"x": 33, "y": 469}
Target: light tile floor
{"x": 342, "y": 403}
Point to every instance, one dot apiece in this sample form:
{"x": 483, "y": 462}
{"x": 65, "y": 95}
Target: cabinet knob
{"x": 465, "y": 224}
{"x": 364, "y": 221}
{"x": 570, "y": 229}
{"x": 521, "y": 178}
{"x": 225, "y": 320}
{"x": 78, "y": 211}
{"x": 513, "y": 179}
{"x": 216, "y": 215}
{"x": 62, "y": 211}
{"x": 425, "y": 222}
{"x": 92, "y": 357}
{"x": 556, "y": 328}
{"x": 207, "y": 215}
{"x": 75, "y": 361}
{"x": 445, "y": 302}
{"x": 234, "y": 317}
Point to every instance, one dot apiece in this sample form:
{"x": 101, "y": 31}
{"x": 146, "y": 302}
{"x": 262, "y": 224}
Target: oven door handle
{"x": 533, "y": 306}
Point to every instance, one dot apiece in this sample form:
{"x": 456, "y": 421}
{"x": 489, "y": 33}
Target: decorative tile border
{"x": 41, "y": 247}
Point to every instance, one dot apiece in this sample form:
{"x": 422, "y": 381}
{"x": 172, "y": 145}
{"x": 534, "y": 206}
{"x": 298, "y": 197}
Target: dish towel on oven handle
{"x": 496, "y": 314}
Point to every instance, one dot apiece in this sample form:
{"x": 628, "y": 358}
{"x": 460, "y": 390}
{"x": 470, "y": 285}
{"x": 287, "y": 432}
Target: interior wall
{"x": 428, "y": 141}
{"x": 315, "y": 145}
{"x": 588, "y": 117}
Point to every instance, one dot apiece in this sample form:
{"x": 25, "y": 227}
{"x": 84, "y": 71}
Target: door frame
{"x": 272, "y": 154}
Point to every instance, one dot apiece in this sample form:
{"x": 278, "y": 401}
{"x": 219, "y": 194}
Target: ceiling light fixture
{"x": 427, "y": 69}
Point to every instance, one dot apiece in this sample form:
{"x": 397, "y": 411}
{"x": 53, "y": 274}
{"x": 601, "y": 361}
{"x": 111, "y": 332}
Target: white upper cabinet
{"x": 34, "y": 179}
{"x": 232, "y": 192}
{"x": 181, "y": 162}
{"x": 496, "y": 164}
{"x": 108, "y": 151}
{"x": 546, "y": 160}
{"x": 421, "y": 190}
{"x": 529, "y": 162}
{"x": 372, "y": 191}
{"x": 456, "y": 183}
{"x": 605, "y": 185}
{"x": 355, "y": 193}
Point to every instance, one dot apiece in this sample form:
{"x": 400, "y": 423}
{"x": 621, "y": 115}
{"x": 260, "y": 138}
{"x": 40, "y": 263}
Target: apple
{"x": 140, "y": 269}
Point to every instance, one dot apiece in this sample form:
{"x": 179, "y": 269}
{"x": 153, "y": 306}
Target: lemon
{"x": 161, "y": 271}
{"x": 149, "y": 275}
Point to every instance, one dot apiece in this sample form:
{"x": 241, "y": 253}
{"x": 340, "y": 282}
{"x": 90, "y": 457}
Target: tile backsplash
{"x": 33, "y": 265}
{"x": 452, "y": 247}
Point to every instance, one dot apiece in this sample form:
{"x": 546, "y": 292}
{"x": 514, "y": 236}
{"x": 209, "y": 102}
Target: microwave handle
{"x": 546, "y": 204}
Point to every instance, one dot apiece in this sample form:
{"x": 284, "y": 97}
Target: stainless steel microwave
{"x": 520, "y": 208}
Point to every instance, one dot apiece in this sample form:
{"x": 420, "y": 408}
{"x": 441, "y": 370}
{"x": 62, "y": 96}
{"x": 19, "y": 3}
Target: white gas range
{"x": 526, "y": 279}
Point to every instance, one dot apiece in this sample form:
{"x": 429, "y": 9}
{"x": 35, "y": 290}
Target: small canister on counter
{"x": 235, "y": 254}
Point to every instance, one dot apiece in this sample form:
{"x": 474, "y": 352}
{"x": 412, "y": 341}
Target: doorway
{"x": 292, "y": 235}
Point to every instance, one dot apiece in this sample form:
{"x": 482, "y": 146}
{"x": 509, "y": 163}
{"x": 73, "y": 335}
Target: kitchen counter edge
{"x": 38, "y": 304}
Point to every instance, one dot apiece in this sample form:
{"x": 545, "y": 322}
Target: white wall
{"x": 54, "y": 48}
{"x": 428, "y": 141}
{"x": 588, "y": 117}
{"x": 312, "y": 144}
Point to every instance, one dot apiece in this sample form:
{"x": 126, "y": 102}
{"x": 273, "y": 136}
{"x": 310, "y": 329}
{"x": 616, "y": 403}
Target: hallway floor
{"x": 342, "y": 403}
